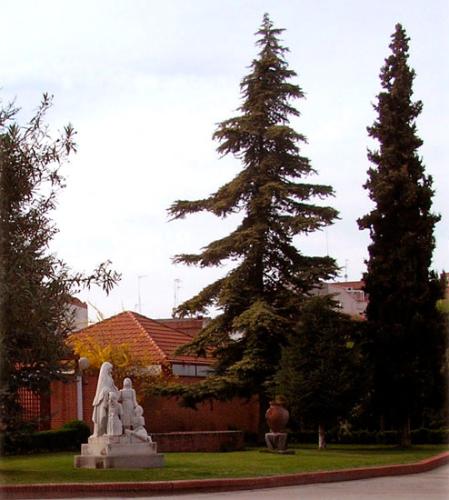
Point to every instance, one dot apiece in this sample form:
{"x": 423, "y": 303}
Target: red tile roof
{"x": 144, "y": 337}
{"x": 191, "y": 326}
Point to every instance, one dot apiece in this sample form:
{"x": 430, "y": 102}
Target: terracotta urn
{"x": 277, "y": 417}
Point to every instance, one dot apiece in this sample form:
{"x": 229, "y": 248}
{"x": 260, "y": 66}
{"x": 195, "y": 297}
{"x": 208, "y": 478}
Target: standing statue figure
{"x": 129, "y": 402}
{"x": 115, "y": 412}
{"x": 100, "y": 403}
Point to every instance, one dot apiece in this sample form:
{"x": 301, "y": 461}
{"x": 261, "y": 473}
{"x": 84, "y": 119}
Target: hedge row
{"x": 69, "y": 437}
{"x": 419, "y": 436}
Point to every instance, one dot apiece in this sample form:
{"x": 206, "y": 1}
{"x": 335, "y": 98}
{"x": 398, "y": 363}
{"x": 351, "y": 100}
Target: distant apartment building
{"x": 78, "y": 311}
{"x": 349, "y": 295}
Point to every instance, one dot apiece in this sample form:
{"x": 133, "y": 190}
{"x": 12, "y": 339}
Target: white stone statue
{"x": 100, "y": 403}
{"x": 112, "y": 446}
{"x": 138, "y": 423}
{"x": 115, "y": 412}
{"x": 129, "y": 402}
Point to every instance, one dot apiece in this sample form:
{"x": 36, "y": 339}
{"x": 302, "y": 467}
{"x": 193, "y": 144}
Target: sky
{"x": 145, "y": 83}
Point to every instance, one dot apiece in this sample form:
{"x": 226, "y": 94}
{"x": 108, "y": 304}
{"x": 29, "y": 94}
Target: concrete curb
{"x": 68, "y": 490}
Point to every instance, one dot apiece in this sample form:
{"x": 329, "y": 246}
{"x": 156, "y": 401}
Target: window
{"x": 184, "y": 370}
{"x": 203, "y": 370}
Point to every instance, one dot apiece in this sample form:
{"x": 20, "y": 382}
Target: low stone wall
{"x": 199, "y": 441}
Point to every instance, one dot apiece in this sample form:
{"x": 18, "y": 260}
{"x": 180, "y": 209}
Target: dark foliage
{"x": 35, "y": 286}
{"x": 69, "y": 437}
{"x": 321, "y": 370}
{"x": 260, "y": 297}
{"x": 405, "y": 335}
{"x": 418, "y": 436}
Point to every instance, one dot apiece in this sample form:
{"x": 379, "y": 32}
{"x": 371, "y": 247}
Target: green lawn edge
{"x": 58, "y": 467}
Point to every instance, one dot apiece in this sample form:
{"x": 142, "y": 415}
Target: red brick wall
{"x": 199, "y": 441}
{"x": 89, "y": 389}
{"x": 166, "y": 415}
{"x": 30, "y": 403}
{"x": 35, "y": 408}
{"x": 161, "y": 414}
{"x": 62, "y": 403}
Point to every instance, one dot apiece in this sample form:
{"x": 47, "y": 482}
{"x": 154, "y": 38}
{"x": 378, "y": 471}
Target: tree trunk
{"x": 321, "y": 437}
{"x": 405, "y": 436}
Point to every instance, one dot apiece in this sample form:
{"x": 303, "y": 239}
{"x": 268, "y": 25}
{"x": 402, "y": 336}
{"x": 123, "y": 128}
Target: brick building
{"x": 157, "y": 340}
{"x": 78, "y": 312}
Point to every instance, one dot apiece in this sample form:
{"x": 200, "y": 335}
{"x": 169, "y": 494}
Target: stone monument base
{"x": 277, "y": 443}
{"x": 118, "y": 452}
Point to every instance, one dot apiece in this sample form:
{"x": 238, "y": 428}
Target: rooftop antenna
{"x": 139, "y": 300}
{"x": 100, "y": 314}
{"x": 346, "y": 269}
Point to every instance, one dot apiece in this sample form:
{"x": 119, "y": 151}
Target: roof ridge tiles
{"x": 188, "y": 338}
{"x": 149, "y": 335}
{"x": 164, "y": 325}
{"x": 161, "y": 322}
{"x": 93, "y": 325}
{"x": 145, "y": 331}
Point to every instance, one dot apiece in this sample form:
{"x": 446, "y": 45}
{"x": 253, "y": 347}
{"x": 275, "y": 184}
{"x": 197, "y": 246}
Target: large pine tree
{"x": 260, "y": 297}
{"x": 402, "y": 290}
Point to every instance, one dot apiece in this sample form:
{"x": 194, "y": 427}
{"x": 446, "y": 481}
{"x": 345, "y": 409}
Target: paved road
{"x": 433, "y": 485}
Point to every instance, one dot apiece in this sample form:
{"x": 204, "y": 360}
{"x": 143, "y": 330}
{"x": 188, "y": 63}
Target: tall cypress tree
{"x": 402, "y": 290}
{"x": 260, "y": 297}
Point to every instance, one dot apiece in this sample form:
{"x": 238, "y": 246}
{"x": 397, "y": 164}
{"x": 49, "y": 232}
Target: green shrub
{"x": 251, "y": 438}
{"x": 82, "y": 429}
{"x": 387, "y": 437}
{"x": 419, "y": 436}
{"x": 430, "y": 436}
{"x": 69, "y": 437}
{"x": 306, "y": 437}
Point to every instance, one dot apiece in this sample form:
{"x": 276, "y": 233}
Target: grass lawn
{"x": 58, "y": 467}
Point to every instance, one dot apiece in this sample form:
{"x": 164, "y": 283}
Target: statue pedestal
{"x": 118, "y": 452}
{"x": 277, "y": 443}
